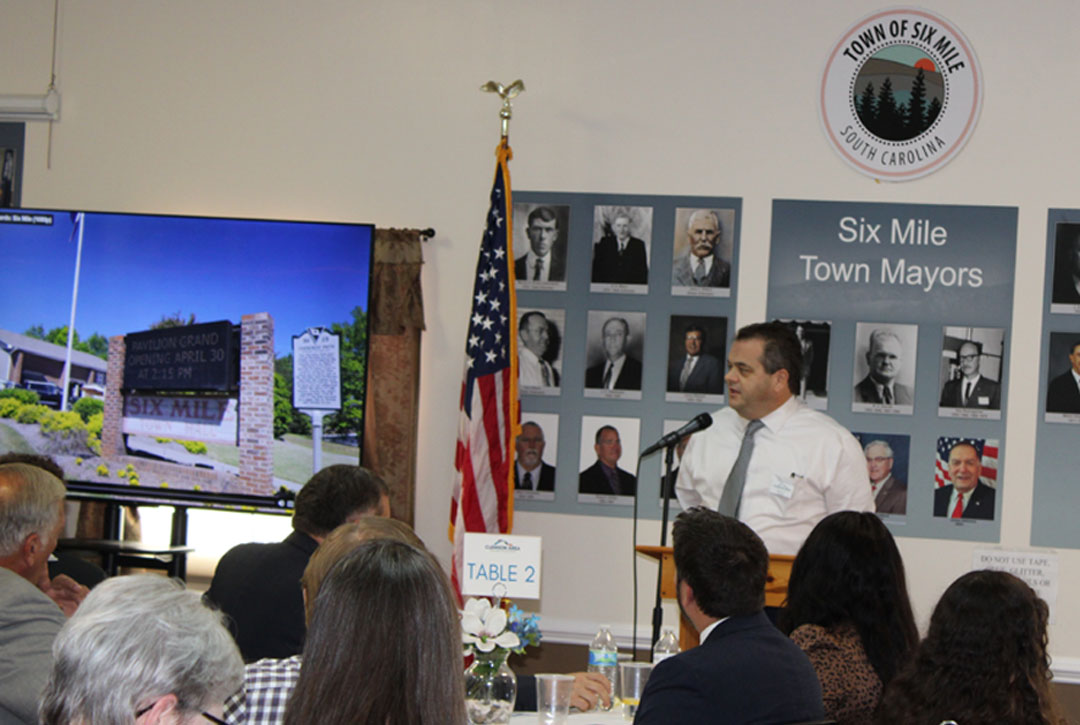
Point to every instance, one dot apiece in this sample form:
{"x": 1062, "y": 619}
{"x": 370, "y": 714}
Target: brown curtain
{"x": 393, "y": 371}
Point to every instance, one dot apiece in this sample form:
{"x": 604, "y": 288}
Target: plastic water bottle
{"x": 666, "y": 646}
{"x": 604, "y": 658}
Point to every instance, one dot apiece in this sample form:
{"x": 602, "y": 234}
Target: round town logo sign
{"x": 900, "y": 94}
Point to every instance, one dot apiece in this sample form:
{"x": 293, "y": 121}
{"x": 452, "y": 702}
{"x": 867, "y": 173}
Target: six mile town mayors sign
{"x": 900, "y": 93}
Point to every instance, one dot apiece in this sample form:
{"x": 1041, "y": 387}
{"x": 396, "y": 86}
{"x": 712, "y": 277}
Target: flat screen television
{"x": 180, "y": 384}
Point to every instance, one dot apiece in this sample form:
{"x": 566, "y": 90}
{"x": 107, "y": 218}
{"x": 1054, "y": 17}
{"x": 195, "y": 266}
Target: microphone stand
{"x": 668, "y": 483}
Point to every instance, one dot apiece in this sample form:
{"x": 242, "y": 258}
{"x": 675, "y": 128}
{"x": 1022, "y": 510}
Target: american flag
{"x": 987, "y": 448}
{"x": 490, "y": 414}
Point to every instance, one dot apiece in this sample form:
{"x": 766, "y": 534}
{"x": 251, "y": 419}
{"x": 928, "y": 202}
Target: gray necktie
{"x": 545, "y": 373}
{"x": 967, "y": 393}
{"x": 699, "y": 273}
{"x": 733, "y": 488}
{"x": 685, "y": 372}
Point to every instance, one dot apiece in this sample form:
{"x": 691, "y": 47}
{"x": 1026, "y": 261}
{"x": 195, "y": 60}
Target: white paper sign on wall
{"x": 1038, "y": 568}
{"x": 501, "y": 565}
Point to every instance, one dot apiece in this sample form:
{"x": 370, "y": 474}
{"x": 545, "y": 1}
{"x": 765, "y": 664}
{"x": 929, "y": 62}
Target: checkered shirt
{"x": 267, "y": 686}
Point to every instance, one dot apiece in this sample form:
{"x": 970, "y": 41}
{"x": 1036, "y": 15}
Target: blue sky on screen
{"x": 136, "y": 269}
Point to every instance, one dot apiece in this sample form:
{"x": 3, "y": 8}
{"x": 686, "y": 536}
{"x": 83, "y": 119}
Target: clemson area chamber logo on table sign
{"x": 900, "y": 94}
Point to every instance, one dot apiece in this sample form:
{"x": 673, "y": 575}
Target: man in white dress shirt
{"x": 535, "y": 337}
{"x": 801, "y": 465}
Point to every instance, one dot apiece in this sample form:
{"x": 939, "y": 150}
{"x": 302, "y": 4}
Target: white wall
{"x": 370, "y": 111}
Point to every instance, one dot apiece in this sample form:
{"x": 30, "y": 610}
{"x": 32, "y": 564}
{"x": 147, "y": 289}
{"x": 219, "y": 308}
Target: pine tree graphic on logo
{"x": 898, "y": 93}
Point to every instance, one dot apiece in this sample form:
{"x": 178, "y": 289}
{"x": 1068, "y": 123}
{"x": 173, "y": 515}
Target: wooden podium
{"x": 775, "y": 584}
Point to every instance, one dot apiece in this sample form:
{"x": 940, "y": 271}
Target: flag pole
{"x": 65, "y": 376}
{"x": 482, "y": 499}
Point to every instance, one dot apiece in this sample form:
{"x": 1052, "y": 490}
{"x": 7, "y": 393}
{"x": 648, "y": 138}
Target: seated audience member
{"x": 82, "y": 571}
{"x": 384, "y": 645}
{"x": 848, "y": 609}
{"x": 984, "y": 659}
{"x": 32, "y": 606}
{"x": 269, "y": 682}
{"x": 745, "y": 670}
{"x": 141, "y": 649}
{"x": 258, "y": 585}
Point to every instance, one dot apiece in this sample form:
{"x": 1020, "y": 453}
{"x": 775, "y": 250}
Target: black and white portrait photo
{"x": 540, "y": 336}
{"x": 884, "y": 377}
{"x": 540, "y": 233}
{"x": 622, "y": 238}
{"x": 972, "y": 361}
{"x": 613, "y": 354}
{"x": 814, "y": 376}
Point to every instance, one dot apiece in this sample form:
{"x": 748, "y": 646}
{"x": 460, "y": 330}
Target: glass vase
{"x": 490, "y": 688}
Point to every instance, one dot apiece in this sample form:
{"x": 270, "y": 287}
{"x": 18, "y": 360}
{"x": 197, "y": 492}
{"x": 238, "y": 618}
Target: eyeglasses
{"x": 212, "y": 718}
{"x": 970, "y": 357}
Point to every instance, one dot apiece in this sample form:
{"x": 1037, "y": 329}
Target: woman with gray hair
{"x": 141, "y": 649}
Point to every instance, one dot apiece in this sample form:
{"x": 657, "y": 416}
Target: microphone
{"x": 700, "y": 422}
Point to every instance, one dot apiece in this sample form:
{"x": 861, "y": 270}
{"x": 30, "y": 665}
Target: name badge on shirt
{"x": 783, "y": 486}
{"x": 984, "y": 400}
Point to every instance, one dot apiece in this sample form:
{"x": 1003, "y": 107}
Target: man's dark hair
{"x": 524, "y": 322}
{"x": 544, "y": 213}
{"x": 601, "y": 429}
{"x": 782, "y": 349}
{"x": 972, "y": 444}
{"x": 1072, "y": 348}
{"x": 694, "y": 327}
{"x": 723, "y": 560}
{"x": 33, "y": 459}
{"x": 333, "y": 495}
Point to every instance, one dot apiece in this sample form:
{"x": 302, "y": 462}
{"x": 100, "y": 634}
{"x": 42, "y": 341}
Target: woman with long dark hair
{"x": 848, "y": 609}
{"x": 984, "y": 659}
{"x": 384, "y": 645}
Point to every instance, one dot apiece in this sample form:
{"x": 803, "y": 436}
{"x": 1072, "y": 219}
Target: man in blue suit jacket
{"x": 744, "y": 670}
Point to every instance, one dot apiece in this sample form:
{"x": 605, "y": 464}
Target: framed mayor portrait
{"x": 622, "y": 240}
{"x": 540, "y": 234}
{"x": 887, "y": 458}
{"x": 697, "y": 349}
{"x": 884, "y": 377}
{"x": 702, "y": 251}
{"x": 603, "y": 476}
{"x": 1063, "y": 378}
{"x": 1066, "y": 295}
{"x": 540, "y": 344}
{"x": 614, "y": 349}
{"x": 536, "y": 452}
{"x": 966, "y": 478}
{"x": 814, "y": 336}
{"x": 972, "y": 363}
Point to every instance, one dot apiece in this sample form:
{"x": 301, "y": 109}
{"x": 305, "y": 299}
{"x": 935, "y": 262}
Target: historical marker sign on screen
{"x": 192, "y": 357}
{"x": 317, "y": 370}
